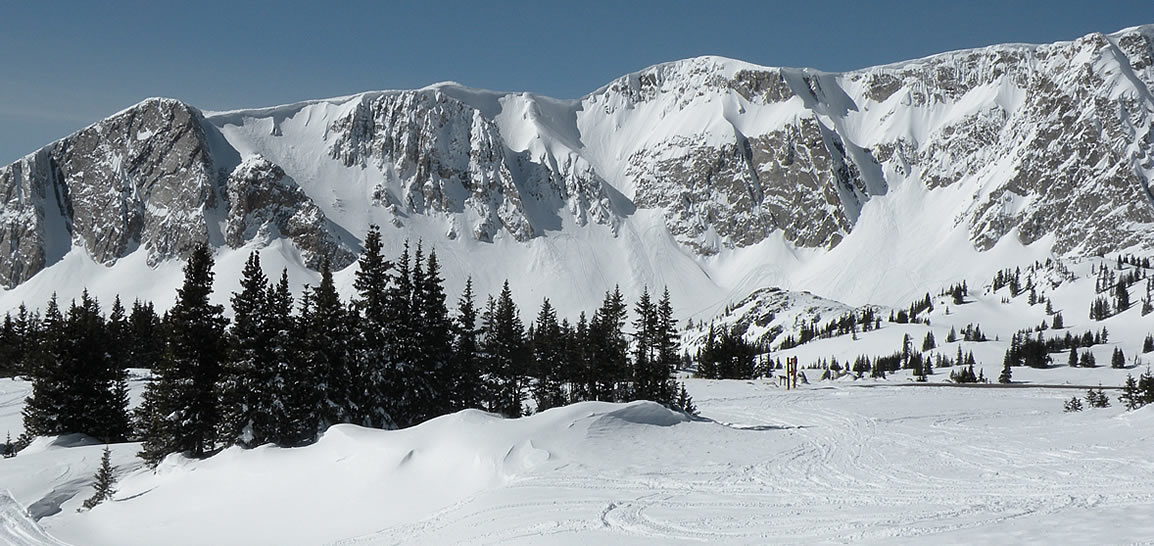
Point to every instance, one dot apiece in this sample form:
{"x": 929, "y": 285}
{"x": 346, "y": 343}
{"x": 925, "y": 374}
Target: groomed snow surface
{"x": 847, "y": 461}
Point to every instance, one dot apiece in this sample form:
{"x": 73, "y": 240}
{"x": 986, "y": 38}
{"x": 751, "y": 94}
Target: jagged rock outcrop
{"x": 265, "y": 203}
{"x": 445, "y": 156}
{"x": 142, "y": 178}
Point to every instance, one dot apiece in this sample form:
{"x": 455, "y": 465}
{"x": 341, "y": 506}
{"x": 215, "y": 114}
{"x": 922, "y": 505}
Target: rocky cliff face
{"x": 144, "y": 179}
{"x": 266, "y": 204}
{"x": 140, "y": 179}
{"x": 1034, "y": 142}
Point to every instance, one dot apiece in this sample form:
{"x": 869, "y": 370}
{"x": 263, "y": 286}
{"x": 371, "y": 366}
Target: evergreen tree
{"x": 1058, "y": 322}
{"x": 609, "y": 350}
{"x": 1131, "y": 396}
{"x": 1073, "y": 361}
{"x": 1146, "y": 387}
{"x": 180, "y": 411}
{"x": 404, "y": 386}
{"x": 79, "y": 385}
{"x": 464, "y": 381}
{"x": 1006, "y": 374}
{"x": 381, "y": 308}
{"x": 505, "y": 355}
{"x": 729, "y": 356}
{"x": 649, "y": 379}
{"x": 1097, "y": 398}
{"x": 706, "y": 363}
{"x": 1088, "y": 360}
{"x": 342, "y": 385}
{"x": 118, "y": 334}
{"x": 1073, "y": 404}
{"x": 928, "y": 343}
{"x": 548, "y": 359}
{"x": 9, "y": 449}
{"x": 8, "y": 347}
{"x": 1118, "y": 359}
{"x": 685, "y": 402}
{"x": 292, "y": 382}
{"x": 1148, "y": 344}
{"x": 105, "y": 480}
{"x": 246, "y": 387}
{"x": 146, "y": 336}
{"x": 668, "y": 342}
{"x": 1121, "y": 297}
{"x": 435, "y": 341}
{"x": 579, "y": 369}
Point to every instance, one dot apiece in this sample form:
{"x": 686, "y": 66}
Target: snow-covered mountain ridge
{"x": 713, "y": 176}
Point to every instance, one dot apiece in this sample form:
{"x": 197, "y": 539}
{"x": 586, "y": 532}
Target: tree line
{"x": 284, "y": 369}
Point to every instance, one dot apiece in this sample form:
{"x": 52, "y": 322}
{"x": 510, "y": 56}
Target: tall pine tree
{"x": 548, "y": 359}
{"x": 181, "y": 411}
{"x": 505, "y": 355}
{"x": 464, "y": 373}
{"x": 374, "y": 356}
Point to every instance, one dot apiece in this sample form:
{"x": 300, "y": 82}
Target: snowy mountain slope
{"x": 713, "y": 176}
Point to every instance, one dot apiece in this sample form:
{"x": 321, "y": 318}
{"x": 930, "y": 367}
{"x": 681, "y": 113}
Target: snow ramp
{"x": 17, "y": 527}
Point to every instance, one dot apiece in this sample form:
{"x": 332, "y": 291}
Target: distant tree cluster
{"x": 1114, "y": 288}
{"x": 282, "y": 371}
{"x": 1137, "y": 393}
{"x": 727, "y": 356}
{"x": 1095, "y": 398}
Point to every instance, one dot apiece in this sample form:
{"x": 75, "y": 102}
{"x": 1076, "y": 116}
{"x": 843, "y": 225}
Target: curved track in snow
{"x": 840, "y": 464}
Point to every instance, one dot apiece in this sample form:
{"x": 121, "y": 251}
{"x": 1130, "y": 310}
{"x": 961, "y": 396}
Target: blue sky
{"x": 64, "y": 65}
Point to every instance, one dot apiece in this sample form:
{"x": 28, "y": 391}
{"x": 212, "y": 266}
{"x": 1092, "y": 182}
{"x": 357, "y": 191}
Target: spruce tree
{"x": 1073, "y": 404}
{"x": 292, "y": 383}
{"x": 1131, "y": 396}
{"x": 403, "y": 388}
{"x": 1097, "y": 398}
{"x": 928, "y": 343}
{"x": 146, "y": 336}
{"x": 246, "y": 387}
{"x": 548, "y": 359}
{"x": 505, "y": 355}
{"x": 668, "y": 343}
{"x": 1007, "y": 373}
{"x": 1118, "y": 359}
{"x": 609, "y": 349}
{"x": 1121, "y": 297}
{"x": 435, "y": 340}
{"x": 9, "y": 344}
{"x": 685, "y": 402}
{"x": 79, "y": 382}
{"x": 375, "y": 302}
{"x": 105, "y": 480}
{"x": 706, "y": 360}
{"x": 649, "y": 379}
{"x": 580, "y": 366}
{"x": 464, "y": 382}
{"x": 181, "y": 412}
{"x": 9, "y": 449}
{"x": 343, "y": 385}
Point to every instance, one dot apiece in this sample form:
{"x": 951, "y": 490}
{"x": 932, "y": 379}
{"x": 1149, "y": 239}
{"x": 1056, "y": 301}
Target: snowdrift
{"x": 354, "y": 481}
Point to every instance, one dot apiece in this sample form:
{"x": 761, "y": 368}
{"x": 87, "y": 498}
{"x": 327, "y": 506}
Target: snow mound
{"x": 354, "y": 479}
{"x": 41, "y": 444}
{"x": 647, "y": 413}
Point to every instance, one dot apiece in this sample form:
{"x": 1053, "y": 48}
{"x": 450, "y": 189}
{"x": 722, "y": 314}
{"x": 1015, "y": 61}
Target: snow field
{"x": 866, "y": 462}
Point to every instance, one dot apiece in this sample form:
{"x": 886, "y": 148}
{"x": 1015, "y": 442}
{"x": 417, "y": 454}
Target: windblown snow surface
{"x": 866, "y": 461}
